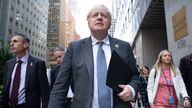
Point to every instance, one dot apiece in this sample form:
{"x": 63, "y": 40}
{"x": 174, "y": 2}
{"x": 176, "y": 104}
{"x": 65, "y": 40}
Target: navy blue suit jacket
{"x": 78, "y": 65}
{"x": 36, "y": 83}
{"x": 185, "y": 67}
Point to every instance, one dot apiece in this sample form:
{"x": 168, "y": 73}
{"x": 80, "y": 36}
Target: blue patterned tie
{"x": 104, "y": 97}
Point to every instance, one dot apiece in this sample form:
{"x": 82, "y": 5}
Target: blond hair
{"x": 158, "y": 64}
{"x": 99, "y": 7}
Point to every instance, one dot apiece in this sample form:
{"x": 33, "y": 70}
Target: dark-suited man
{"x": 80, "y": 64}
{"x": 58, "y": 55}
{"x": 25, "y": 83}
{"x": 185, "y": 67}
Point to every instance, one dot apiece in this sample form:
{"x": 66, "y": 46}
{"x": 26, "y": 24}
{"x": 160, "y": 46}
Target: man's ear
{"x": 26, "y": 45}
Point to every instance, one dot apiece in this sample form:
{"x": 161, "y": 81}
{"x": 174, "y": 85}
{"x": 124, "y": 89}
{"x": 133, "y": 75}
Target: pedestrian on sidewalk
{"x": 165, "y": 84}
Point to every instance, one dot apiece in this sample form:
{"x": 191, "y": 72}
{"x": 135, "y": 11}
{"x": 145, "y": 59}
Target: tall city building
{"x": 3, "y": 21}
{"x": 73, "y": 7}
{"x": 70, "y": 29}
{"x": 142, "y": 24}
{"x": 61, "y": 27}
{"x": 115, "y": 9}
{"x": 70, "y": 23}
{"x": 29, "y": 17}
{"x": 56, "y": 25}
{"x": 152, "y": 25}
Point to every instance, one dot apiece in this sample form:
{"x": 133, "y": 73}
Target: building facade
{"x": 152, "y": 25}
{"x": 70, "y": 23}
{"x": 179, "y": 27}
{"x": 3, "y": 20}
{"x": 61, "y": 27}
{"x": 115, "y": 9}
{"x": 28, "y": 17}
{"x": 56, "y": 25}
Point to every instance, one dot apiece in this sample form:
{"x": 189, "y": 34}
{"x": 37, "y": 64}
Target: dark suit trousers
{"x": 68, "y": 103}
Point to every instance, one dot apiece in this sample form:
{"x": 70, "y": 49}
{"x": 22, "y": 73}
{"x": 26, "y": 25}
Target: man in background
{"x": 25, "y": 83}
{"x": 58, "y": 55}
{"x": 185, "y": 67}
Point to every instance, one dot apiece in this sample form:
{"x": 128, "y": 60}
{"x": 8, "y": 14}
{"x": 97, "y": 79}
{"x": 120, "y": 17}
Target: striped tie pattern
{"x": 15, "y": 86}
{"x": 104, "y": 97}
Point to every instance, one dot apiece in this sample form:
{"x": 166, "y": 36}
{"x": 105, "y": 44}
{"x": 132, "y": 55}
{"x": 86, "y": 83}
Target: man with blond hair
{"x": 86, "y": 63}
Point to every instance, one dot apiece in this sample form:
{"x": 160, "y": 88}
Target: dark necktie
{"x": 16, "y": 83}
{"x": 104, "y": 97}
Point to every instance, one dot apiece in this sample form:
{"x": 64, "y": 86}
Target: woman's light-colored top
{"x": 153, "y": 83}
{"x": 165, "y": 89}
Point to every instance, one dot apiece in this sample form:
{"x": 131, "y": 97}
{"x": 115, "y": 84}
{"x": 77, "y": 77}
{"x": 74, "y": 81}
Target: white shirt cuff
{"x": 132, "y": 90}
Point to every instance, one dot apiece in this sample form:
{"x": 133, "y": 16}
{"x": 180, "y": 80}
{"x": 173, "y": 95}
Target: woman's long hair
{"x": 142, "y": 73}
{"x": 158, "y": 64}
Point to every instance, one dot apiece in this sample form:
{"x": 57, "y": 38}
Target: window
{"x": 30, "y": 22}
{"x": 16, "y": 23}
{"x": 21, "y": 26}
{"x": 23, "y": 6}
{"x": 10, "y": 19}
{"x": 12, "y": 8}
{"x": 18, "y": 1}
{"x": 26, "y": 19}
{"x": 26, "y": 29}
{"x": 29, "y": 31}
{"x": 27, "y": 9}
{"x": 32, "y": 52}
{"x": 10, "y": 31}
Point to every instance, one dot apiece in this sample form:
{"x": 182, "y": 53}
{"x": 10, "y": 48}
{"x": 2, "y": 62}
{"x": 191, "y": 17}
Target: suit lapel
{"x": 29, "y": 70}
{"x": 114, "y": 44}
{"x": 10, "y": 70}
{"x": 88, "y": 52}
{"x": 88, "y": 56}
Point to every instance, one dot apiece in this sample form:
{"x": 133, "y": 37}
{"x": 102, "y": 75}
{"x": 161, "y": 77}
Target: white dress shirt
{"x": 21, "y": 95}
{"x": 107, "y": 50}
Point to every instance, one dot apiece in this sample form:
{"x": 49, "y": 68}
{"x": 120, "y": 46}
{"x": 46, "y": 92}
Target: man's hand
{"x": 186, "y": 103}
{"x": 126, "y": 94}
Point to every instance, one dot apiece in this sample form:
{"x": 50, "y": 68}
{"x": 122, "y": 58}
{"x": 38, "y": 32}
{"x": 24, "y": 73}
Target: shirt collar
{"x": 24, "y": 58}
{"x": 95, "y": 41}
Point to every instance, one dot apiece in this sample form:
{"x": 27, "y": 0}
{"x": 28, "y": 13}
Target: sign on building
{"x": 180, "y": 24}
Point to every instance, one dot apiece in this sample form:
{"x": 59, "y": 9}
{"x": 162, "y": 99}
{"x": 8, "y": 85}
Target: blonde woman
{"x": 165, "y": 84}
